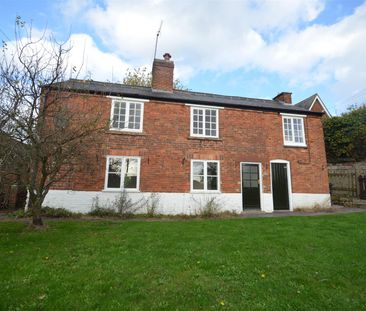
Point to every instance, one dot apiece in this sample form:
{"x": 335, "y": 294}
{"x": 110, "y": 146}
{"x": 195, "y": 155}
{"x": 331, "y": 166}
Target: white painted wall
{"x": 308, "y": 200}
{"x": 175, "y": 203}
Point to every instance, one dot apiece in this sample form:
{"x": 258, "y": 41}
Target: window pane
{"x": 114, "y": 180}
{"x": 204, "y": 122}
{"x": 130, "y": 182}
{"x": 197, "y": 168}
{"x": 119, "y": 114}
{"x": 254, "y": 184}
{"x": 114, "y": 165}
{"x": 246, "y": 168}
{"x": 212, "y": 168}
{"x": 198, "y": 182}
{"x": 114, "y": 173}
{"x": 288, "y": 129}
{"x": 131, "y": 167}
{"x": 298, "y": 130}
{"x": 134, "y": 120}
{"x": 212, "y": 183}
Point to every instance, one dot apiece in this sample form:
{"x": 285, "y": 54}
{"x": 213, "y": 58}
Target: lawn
{"x": 287, "y": 263}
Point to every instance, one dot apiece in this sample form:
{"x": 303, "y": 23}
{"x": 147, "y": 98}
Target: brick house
{"x": 189, "y": 146}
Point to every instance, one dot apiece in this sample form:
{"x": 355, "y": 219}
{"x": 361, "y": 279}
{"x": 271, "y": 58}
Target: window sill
{"x": 204, "y": 192}
{"x": 121, "y": 190}
{"x": 295, "y": 146}
{"x": 119, "y": 132}
{"x": 204, "y": 138}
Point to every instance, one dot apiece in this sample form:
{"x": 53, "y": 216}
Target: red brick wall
{"x": 166, "y": 150}
{"x": 162, "y": 75}
{"x": 284, "y": 97}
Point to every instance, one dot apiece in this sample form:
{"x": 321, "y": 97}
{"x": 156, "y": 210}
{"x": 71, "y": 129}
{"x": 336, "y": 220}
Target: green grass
{"x": 292, "y": 263}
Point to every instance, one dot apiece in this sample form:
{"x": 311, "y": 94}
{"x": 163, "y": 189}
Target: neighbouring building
{"x": 188, "y": 147}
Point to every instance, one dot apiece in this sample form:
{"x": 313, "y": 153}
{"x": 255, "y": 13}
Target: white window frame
{"x": 123, "y": 158}
{"x": 204, "y": 190}
{"x": 204, "y": 108}
{"x": 293, "y": 143}
{"x": 128, "y": 102}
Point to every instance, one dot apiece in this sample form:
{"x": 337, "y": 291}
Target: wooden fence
{"x": 343, "y": 182}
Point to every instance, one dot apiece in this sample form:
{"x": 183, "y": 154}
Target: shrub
{"x": 21, "y": 213}
{"x": 208, "y": 207}
{"x": 58, "y": 212}
{"x": 125, "y": 207}
{"x": 99, "y": 210}
{"x": 48, "y": 212}
{"x": 122, "y": 206}
{"x": 152, "y": 205}
{"x": 103, "y": 212}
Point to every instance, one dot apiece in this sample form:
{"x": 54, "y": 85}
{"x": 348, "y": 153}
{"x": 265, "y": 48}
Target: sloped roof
{"x": 307, "y": 102}
{"x": 116, "y": 89}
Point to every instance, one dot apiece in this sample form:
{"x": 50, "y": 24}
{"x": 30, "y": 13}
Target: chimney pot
{"x": 167, "y": 56}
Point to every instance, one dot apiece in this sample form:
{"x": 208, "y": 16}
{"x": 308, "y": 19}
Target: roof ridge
{"x": 176, "y": 90}
{"x": 106, "y": 82}
{"x": 227, "y": 96}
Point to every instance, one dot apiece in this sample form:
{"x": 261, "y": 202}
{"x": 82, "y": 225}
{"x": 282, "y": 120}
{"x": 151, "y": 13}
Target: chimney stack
{"x": 284, "y": 97}
{"x": 162, "y": 74}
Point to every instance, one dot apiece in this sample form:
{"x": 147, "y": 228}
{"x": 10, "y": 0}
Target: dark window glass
{"x": 212, "y": 168}
{"x": 211, "y": 183}
{"x": 114, "y": 181}
{"x": 198, "y": 182}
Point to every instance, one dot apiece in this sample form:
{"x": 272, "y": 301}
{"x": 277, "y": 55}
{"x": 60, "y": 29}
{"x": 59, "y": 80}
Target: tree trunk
{"x": 37, "y": 221}
{"x": 36, "y": 212}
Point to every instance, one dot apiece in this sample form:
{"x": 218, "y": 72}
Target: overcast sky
{"x": 245, "y": 48}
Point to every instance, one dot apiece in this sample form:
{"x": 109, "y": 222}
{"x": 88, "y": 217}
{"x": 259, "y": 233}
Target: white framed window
{"x": 293, "y": 131}
{"x": 122, "y": 173}
{"x": 204, "y": 122}
{"x": 205, "y": 176}
{"x": 127, "y": 114}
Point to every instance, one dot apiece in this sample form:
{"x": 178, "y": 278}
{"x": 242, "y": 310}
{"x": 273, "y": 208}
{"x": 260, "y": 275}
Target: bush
{"x": 58, "y": 212}
{"x": 122, "y": 206}
{"x": 208, "y": 207}
{"x": 103, "y": 212}
{"x": 152, "y": 205}
{"x": 48, "y": 212}
{"x": 21, "y": 213}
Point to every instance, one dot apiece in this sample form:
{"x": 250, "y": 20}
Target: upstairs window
{"x": 127, "y": 115}
{"x": 122, "y": 173}
{"x": 293, "y": 131}
{"x": 204, "y": 122}
{"x": 205, "y": 176}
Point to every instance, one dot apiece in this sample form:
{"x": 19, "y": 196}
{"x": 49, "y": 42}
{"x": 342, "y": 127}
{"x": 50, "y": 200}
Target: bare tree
{"x": 39, "y": 113}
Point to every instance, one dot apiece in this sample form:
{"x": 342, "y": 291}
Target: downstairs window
{"x": 122, "y": 173}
